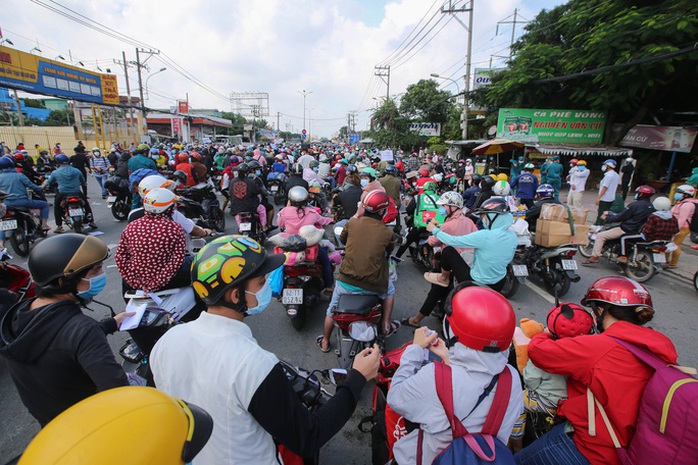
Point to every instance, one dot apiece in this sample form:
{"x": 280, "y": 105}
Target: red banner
{"x": 176, "y": 126}
{"x": 669, "y": 138}
{"x": 183, "y": 107}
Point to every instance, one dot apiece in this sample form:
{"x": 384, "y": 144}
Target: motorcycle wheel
{"x": 121, "y": 209}
{"x": 20, "y": 240}
{"x": 559, "y": 277}
{"x": 77, "y": 224}
{"x": 586, "y": 250}
{"x": 694, "y": 237}
{"x": 695, "y": 281}
{"x": 217, "y": 219}
{"x": 299, "y": 321}
{"x": 642, "y": 268}
{"x": 511, "y": 284}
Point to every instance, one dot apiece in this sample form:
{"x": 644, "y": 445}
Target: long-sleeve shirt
{"x": 290, "y": 219}
{"x": 456, "y": 225}
{"x": 16, "y": 184}
{"x": 100, "y": 164}
{"x": 683, "y": 211}
{"x": 69, "y": 180}
{"x": 660, "y": 226}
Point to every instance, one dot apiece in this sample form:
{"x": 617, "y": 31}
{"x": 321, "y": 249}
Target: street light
{"x": 304, "y": 93}
{"x": 60, "y": 57}
{"x": 434, "y": 75}
{"x": 35, "y": 49}
{"x": 147, "y": 96}
{"x": 310, "y": 122}
{"x": 6, "y": 40}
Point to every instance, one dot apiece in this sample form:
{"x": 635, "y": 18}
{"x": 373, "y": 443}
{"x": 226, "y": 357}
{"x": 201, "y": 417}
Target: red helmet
{"x": 645, "y": 192}
{"x": 569, "y": 320}
{"x": 481, "y": 318}
{"x": 619, "y": 291}
{"x": 423, "y": 172}
{"x": 19, "y": 156}
{"x": 574, "y": 161}
{"x": 376, "y": 201}
{"x": 182, "y": 158}
{"x": 196, "y": 156}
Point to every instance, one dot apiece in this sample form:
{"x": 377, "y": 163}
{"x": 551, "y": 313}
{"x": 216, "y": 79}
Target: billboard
{"x": 426, "y": 129}
{"x": 483, "y": 76}
{"x": 669, "y": 138}
{"x": 578, "y": 127}
{"x": 31, "y": 73}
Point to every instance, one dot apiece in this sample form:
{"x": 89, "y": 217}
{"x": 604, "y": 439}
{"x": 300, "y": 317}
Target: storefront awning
{"x": 579, "y": 151}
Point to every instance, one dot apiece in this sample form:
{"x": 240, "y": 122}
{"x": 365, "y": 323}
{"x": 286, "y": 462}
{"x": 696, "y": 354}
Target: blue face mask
{"x": 97, "y": 285}
{"x": 263, "y": 297}
{"x": 678, "y": 196}
{"x": 637, "y": 196}
{"x": 443, "y": 212}
{"x": 258, "y": 172}
{"x": 364, "y": 182}
{"x": 581, "y": 167}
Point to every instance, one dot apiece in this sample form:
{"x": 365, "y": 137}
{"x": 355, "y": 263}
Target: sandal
{"x": 394, "y": 326}
{"x": 590, "y": 261}
{"x": 318, "y": 341}
{"x": 406, "y": 322}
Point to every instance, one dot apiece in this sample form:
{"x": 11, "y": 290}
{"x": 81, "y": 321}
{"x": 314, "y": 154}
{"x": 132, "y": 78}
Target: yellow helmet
{"x": 502, "y": 177}
{"x": 581, "y": 162}
{"x": 135, "y": 425}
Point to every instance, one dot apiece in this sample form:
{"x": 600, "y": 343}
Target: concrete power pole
{"x": 513, "y": 22}
{"x": 383, "y": 72}
{"x": 453, "y": 10}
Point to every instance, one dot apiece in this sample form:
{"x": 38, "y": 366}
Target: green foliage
{"x": 424, "y": 102}
{"x": 33, "y": 103}
{"x": 60, "y": 118}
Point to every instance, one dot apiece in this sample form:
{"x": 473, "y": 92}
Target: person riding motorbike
{"x": 70, "y": 181}
{"x": 545, "y": 193}
{"x": 14, "y": 187}
{"x": 631, "y": 220}
{"x": 256, "y": 175}
{"x": 456, "y": 224}
{"x": 615, "y": 377}
{"x": 392, "y": 185}
{"x": 684, "y": 210}
{"x": 479, "y": 326}
{"x": 244, "y": 387}
{"x": 244, "y": 195}
{"x": 151, "y": 254}
{"x": 486, "y": 185}
{"x": 297, "y": 215}
{"x": 494, "y": 247}
{"x": 349, "y": 198}
{"x": 526, "y": 185}
{"x": 296, "y": 178}
{"x": 364, "y": 269}
{"x": 56, "y": 355}
{"x": 472, "y": 192}
{"x": 96, "y": 429}
{"x": 424, "y": 177}
{"x": 421, "y": 210}
{"x": 141, "y": 159}
{"x": 660, "y": 226}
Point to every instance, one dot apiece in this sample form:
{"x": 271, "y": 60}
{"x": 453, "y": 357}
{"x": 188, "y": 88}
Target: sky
{"x": 327, "y": 48}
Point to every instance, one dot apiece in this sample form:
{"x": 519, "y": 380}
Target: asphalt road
{"x": 674, "y": 301}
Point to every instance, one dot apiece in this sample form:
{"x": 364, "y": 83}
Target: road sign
{"x": 304, "y": 132}
{"x": 303, "y": 136}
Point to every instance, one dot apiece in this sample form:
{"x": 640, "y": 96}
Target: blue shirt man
{"x": 526, "y": 184}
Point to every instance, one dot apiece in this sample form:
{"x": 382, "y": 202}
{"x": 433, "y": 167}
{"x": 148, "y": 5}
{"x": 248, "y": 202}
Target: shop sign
{"x": 579, "y": 127}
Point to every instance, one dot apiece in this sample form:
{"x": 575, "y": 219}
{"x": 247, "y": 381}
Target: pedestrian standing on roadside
{"x": 683, "y": 211}
{"x": 607, "y": 190}
{"x": 99, "y": 166}
{"x": 627, "y": 174}
{"x": 555, "y": 175}
{"x": 578, "y": 181}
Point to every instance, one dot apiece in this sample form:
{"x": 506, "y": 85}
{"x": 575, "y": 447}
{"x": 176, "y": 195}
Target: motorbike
{"x": 423, "y": 254}
{"x": 302, "y": 279}
{"x": 74, "y": 213}
{"x": 356, "y": 320}
{"x": 23, "y": 225}
{"x": 14, "y": 278}
{"x": 695, "y": 281}
{"x": 201, "y": 205}
{"x": 644, "y": 258}
{"x": 554, "y": 266}
{"x": 277, "y": 188}
{"x": 250, "y": 225}
{"x": 120, "y": 197}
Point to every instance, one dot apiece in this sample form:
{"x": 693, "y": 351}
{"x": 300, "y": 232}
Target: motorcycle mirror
{"x": 362, "y": 331}
{"x": 338, "y": 230}
{"x": 338, "y": 375}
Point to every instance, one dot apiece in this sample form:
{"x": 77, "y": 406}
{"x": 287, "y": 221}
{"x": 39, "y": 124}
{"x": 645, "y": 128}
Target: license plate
{"x": 111, "y": 199}
{"x": 520, "y": 270}
{"x": 75, "y": 212}
{"x": 659, "y": 258}
{"x": 569, "y": 265}
{"x": 292, "y": 296}
{"x": 8, "y": 225}
{"x": 245, "y": 227}
{"x": 274, "y": 188}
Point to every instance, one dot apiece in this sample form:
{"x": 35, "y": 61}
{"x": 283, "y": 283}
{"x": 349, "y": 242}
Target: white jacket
{"x": 413, "y": 395}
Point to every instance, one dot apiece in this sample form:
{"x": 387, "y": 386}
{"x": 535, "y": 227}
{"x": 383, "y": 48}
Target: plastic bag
{"x": 276, "y": 281}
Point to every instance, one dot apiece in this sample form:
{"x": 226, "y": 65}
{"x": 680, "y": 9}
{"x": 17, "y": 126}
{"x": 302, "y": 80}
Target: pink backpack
{"x": 666, "y": 432}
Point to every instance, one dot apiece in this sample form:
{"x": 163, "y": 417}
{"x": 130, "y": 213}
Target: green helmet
{"x": 370, "y": 172}
{"x": 228, "y": 261}
{"x": 429, "y": 186}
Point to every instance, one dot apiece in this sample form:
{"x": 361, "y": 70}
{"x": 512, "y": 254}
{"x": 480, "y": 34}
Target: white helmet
{"x": 154, "y": 181}
{"x": 686, "y": 189}
{"x": 501, "y": 188}
{"x": 159, "y": 200}
{"x": 661, "y": 203}
{"x": 450, "y": 198}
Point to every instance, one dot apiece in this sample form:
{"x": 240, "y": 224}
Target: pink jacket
{"x": 290, "y": 219}
{"x": 683, "y": 211}
{"x": 456, "y": 225}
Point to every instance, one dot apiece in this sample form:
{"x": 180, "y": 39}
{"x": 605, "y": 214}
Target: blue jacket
{"x": 527, "y": 185}
{"x": 16, "y": 184}
{"x": 554, "y": 171}
{"x": 470, "y": 195}
{"x": 69, "y": 180}
{"x": 494, "y": 249}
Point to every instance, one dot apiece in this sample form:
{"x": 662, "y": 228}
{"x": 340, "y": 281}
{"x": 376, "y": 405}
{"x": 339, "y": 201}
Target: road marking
{"x": 540, "y": 291}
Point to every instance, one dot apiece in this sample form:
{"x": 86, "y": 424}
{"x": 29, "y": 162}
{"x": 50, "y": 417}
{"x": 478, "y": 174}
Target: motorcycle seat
{"x": 358, "y": 304}
{"x": 652, "y": 243}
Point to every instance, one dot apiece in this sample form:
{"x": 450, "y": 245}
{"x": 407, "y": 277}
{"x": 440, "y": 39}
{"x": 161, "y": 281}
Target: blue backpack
{"x": 472, "y": 448}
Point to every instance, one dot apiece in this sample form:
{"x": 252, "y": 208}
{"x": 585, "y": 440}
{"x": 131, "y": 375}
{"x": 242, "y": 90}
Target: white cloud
{"x": 271, "y": 46}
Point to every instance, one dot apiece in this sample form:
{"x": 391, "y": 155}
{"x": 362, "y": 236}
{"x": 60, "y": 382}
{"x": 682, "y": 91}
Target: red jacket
{"x": 615, "y": 376}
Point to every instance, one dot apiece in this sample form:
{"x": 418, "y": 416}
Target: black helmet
{"x": 243, "y": 168}
{"x": 352, "y": 168}
{"x": 487, "y": 182}
{"x": 491, "y": 208}
{"x": 180, "y": 176}
{"x": 476, "y": 179}
{"x": 64, "y": 256}
{"x": 253, "y": 164}
{"x": 297, "y": 168}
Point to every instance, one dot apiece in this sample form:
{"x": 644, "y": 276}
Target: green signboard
{"x": 578, "y": 127}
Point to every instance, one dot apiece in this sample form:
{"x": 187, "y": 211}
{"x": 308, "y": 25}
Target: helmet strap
{"x": 598, "y": 316}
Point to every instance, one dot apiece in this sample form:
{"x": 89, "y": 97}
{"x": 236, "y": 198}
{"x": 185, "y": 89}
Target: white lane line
{"x": 540, "y": 291}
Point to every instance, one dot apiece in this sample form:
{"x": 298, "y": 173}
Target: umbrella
{"x": 497, "y": 146}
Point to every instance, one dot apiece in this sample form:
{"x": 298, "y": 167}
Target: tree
{"x": 389, "y": 127}
{"x": 584, "y": 35}
{"x": 60, "y": 118}
{"x": 33, "y": 103}
{"x": 424, "y": 102}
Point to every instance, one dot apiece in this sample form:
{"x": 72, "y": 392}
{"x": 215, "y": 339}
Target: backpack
{"x": 426, "y": 211}
{"x": 693, "y": 224}
{"x": 472, "y": 448}
{"x": 665, "y": 432}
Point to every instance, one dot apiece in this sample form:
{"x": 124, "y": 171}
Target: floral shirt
{"x": 150, "y": 252}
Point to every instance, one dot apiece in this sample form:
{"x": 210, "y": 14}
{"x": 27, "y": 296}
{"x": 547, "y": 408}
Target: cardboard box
{"x": 555, "y": 233}
{"x": 555, "y": 212}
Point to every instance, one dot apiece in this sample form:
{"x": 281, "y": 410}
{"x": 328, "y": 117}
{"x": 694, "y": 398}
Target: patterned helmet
{"x": 451, "y": 198}
{"x": 569, "y": 320}
{"x": 228, "y": 261}
{"x": 159, "y": 200}
{"x": 501, "y": 188}
{"x": 645, "y": 192}
{"x": 154, "y": 181}
{"x": 545, "y": 191}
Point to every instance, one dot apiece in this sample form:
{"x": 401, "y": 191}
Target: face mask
{"x": 97, "y": 284}
{"x": 263, "y": 297}
{"x": 637, "y": 197}
{"x": 258, "y": 173}
{"x": 678, "y": 196}
{"x": 443, "y": 212}
{"x": 97, "y": 154}
{"x": 155, "y": 156}
{"x": 315, "y": 169}
{"x": 364, "y": 182}
{"x": 581, "y": 167}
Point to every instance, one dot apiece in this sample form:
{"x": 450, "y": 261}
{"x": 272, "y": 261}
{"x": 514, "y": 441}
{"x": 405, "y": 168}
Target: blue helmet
{"x": 62, "y": 159}
{"x": 390, "y": 169}
{"x": 545, "y": 190}
{"x": 6, "y": 161}
{"x": 611, "y": 163}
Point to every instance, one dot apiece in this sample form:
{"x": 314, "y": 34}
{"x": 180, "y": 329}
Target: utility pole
{"x": 513, "y": 22}
{"x": 278, "y": 115}
{"x": 20, "y": 116}
{"x": 139, "y": 66}
{"x": 383, "y": 72}
{"x": 453, "y": 10}
{"x": 128, "y": 94}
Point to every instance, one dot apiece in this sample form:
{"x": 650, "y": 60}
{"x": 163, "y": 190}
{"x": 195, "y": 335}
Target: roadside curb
{"x": 678, "y": 276}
